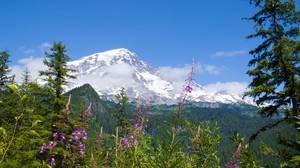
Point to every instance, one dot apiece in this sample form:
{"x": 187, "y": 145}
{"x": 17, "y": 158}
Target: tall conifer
{"x": 57, "y": 72}
{"x": 5, "y": 78}
{"x": 276, "y": 71}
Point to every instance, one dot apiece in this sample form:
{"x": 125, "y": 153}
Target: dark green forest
{"x": 42, "y": 125}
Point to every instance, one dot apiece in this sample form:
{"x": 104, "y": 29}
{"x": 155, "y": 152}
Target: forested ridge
{"x": 44, "y": 126}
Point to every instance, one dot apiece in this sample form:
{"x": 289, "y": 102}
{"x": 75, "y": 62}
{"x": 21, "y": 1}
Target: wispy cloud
{"x": 237, "y": 88}
{"x": 34, "y": 64}
{"x": 229, "y": 53}
{"x": 45, "y": 46}
{"x": 211, "y": 69}
{"x": 108, "y": 77}
{"x": 27, "y": 51}
{"x": 32, "y": 60}
{"x": 35, "y": 51}
{"x": 173, "y": 74}
{"x": 180, "y": 73}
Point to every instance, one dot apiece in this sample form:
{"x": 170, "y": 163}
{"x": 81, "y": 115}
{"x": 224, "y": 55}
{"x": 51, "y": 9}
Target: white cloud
{"x": 237, "y": 88}
{"x": 34, "y": 64}
{"x": 228, "y": 53}
{"x": 173, "y": 74}
{"x": 45, "y": 46}
{"x": 26, "y": 51}
{"x": 212, "y": 69}
{"x": 181, "y": 73}
{"x": 207, "y": 68}
{"x": 109, "y": 77}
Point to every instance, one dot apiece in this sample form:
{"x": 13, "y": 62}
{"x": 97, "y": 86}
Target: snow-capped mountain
{"x": 109, "y": 71}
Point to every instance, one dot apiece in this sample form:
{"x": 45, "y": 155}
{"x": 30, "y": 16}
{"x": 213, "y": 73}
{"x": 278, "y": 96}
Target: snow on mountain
{"x": 108, "y": 71}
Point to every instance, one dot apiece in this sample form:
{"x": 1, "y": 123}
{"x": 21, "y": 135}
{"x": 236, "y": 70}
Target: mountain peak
{"x": 119, "y": 52}
{"x": 108, "y": 71}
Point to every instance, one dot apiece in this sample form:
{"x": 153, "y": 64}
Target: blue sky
{"x": 162, "y": 32}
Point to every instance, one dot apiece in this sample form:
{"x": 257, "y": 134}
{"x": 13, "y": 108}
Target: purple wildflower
{"x": 52, "y": 144}
{"x": 52, "y": 161}
{"x": 62, "y": 137}
{"x": 80, "y": 133}
{"x": 231, "y": 165}
{"x": 132, "y": 136}
{"x": 68, "y": 146}
{"x": 138, "y": 124}
{"x": 188, "y": 89}
{"x": 126, "y": 142}
{"x": 81, "y": 152}
{"x": 135, "y": 143}
{"x": 76, "y": 138}
{"x": 43, "y": 148}
{"x": 55, "y": 135}
{"x": 81, "y": 145}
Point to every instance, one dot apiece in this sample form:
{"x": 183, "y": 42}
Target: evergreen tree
{"x": 5, "y": 78}
{"x": 276, "y": 71}
{"x": 26, "y": 80}
{"x": 57, "y": 72}
{"x": 122, "y": 120}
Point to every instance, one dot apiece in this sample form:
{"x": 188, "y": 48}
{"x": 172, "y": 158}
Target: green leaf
{"x": 28, "y": 110}
{"x": 14, "y": 88}
{"x": 296, "y": 159}
{"x": 34, "y": 123}
{"x": 3, "y": 131}
{"x": 34, "y": 133}
{"x": 24, "y": 98}
{"x": 18, "y": 117}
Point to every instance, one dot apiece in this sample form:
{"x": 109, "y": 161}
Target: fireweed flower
{"x": 190, "y": 81}
{"x": 80, "y": 133}
{"x": 231, "y": 166}
{"x": 55, "y": 135}
{"x": 52, "y": 144}
{"x": 81, "y": 145}
{"x": 126, "y": 142}
{"x": 62, "y": 138}
{"x": 77, "y": 137}
{"x": 188, "y": 89}
{"x": 135, "y": 143}
{"x": 68, "y": 146}
{"x": 43, "y": 148}
{"x": 232, "y": 163}
{"x": 132, "y": 136}
{"x": 138, "y": 124}
{"x": 52, "y": 161}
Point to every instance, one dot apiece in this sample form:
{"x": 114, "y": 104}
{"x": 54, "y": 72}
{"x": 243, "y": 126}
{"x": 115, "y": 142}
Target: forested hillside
{"x": 229, "y": 118}
{"x": 41, "y": 125}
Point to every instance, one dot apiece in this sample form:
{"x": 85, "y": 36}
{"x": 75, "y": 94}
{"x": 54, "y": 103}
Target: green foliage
{"x": 122, "y": 120}
{"x": 5, "y": 78}
{"x": 41, "y": 128}
{"x": 203, "y": 150}
{"x": 57, "y": 72}
{"x": 276, "y": 61}
{"x": 243, "y": 156}
{"x": 22, "y": 138}
{"x": 276, "y": 75}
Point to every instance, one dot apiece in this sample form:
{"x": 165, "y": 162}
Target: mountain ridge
{"x": 111, "y": 70}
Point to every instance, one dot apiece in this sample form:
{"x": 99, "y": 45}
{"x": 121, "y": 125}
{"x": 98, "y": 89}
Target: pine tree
{"x": 57, "y": 72}
{"x": 122, "y": 120}
{"x": 5, "y": 78}
{"x": 26, "y": 80}
{"x": 276, "y": 71}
